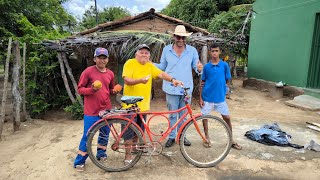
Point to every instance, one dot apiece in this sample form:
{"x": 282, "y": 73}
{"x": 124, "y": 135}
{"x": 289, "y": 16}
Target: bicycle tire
{"x": 115, "y": 158}
{"x": 221, "y": 140}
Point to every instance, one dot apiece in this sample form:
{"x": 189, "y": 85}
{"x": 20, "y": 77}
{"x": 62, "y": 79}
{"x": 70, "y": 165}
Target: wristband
{"x": 172, "y": 79}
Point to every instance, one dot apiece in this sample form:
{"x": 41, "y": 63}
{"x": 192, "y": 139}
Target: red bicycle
{"x": 211, "y": 142}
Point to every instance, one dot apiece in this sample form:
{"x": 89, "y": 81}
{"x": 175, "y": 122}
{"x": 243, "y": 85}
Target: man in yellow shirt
{"x": 138, "y": 74}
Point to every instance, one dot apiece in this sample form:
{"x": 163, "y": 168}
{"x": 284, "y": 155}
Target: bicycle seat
{"x": 131, "y": 99}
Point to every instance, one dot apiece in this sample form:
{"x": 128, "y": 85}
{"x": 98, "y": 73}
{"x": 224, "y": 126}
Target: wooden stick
{"x": 314, "y": 128}
{"x": 24, "y": 114}
{"x": 5, "y": 83}
{"x": 74, "y": 83}
{"x": 64, "y": 77}
{"x": 15, "y": 87}
{"x": 314, "y": 124}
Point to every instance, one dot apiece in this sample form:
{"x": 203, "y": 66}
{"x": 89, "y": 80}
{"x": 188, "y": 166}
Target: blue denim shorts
{"x": 222, "y": 108}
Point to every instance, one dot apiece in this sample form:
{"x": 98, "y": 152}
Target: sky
{"x": 78, "y": 7}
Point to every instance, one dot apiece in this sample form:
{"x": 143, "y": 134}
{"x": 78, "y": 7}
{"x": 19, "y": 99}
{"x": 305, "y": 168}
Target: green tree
{"x": 44, "y": 13}
{"x": 106, "y": 15}
{"x": 231, "y": 20}
{"x": 199, "y": 12}
{"x": 229, "y": 25}
{"x": 33, "y": 21}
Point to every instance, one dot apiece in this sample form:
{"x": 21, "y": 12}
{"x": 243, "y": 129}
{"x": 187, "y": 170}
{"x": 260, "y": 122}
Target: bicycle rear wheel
{"x": 203, "y": 155}
{"x": 115, "y": 147}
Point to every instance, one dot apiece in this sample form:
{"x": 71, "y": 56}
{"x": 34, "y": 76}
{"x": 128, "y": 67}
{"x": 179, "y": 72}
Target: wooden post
{"x": 24, "y": 114}
{"x": 64, "y": 77}
{"x": 15, "y": 87}
{"x": 74, "y": 83}
{"x": 204, "y": 55}
{"x": 5, "y": 84}
{"x": 204, "y": 61}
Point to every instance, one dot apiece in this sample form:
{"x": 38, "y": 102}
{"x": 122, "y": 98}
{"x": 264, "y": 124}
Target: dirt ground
{"x": 45, "y": 149}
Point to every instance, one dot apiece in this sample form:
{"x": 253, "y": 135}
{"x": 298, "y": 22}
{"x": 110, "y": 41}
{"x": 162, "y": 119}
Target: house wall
{"x": 281, "y": 40}
{"x": 152, "y": 25}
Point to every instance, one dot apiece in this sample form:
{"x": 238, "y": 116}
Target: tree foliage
{"x": 32, "y": 21}
{"x": 199, "y": 12}
{"x": 45, "y": 13}
{"x": 229, "y": 25}
{"x": 231, "y": 20}
{"x": 106, "y": 15}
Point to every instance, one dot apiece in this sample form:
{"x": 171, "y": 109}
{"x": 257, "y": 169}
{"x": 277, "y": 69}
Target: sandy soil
{"x": 45, "y": 149}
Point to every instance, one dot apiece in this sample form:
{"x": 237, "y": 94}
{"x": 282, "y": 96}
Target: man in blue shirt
{"x": 215, "y": 81}
{"x": 178, "y": 60}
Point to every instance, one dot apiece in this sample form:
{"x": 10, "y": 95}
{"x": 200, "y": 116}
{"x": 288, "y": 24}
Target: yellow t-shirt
{"x": 133, "y": 69}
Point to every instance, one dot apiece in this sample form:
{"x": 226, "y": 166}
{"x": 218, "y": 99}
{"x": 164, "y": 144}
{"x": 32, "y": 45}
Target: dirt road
{"x": 45, "y": 149}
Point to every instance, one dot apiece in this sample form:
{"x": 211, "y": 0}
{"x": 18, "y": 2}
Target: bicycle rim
{"x": 199, "y": 154}
{"x": 116, "y": 147}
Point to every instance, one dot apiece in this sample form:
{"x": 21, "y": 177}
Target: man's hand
{"x": 96, "y": 85}
{"x": 228, "y": 93}
{"x": 177, "y": 83}
{"x": 95, "y": 88}
{"x": 116, "y": 89}
{"x": 144, "y": 80}
{"x": 201, "y": 103}
{"x": 199, "y": 66}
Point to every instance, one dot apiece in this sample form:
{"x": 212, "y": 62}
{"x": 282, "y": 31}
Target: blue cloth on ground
{"x": 271, "y": 135}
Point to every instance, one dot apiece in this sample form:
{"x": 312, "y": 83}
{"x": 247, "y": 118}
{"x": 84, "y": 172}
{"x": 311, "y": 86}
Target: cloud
{"x": 78, "y": 7}
{"x": 145, "y": 5}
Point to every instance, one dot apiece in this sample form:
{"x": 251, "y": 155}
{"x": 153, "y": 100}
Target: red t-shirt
{"x": 95, "y": 101}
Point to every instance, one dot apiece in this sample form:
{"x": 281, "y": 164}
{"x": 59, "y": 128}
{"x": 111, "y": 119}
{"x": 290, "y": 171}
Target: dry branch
{"x": 64, "y": 77}
{"x": 5, "y": 84}
{"x": 74, "y": 83}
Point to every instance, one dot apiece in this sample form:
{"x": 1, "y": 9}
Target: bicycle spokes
{"x": 211, "y": 149}
{"x": 119, "y": 147}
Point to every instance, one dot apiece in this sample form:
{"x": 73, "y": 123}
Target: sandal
{"x": 103, "y": 159}
{"x": 127, "y": 162}
{"x": 236, "y": 146}
{"x": 207, "y": 144}
{"x": 80, "y": 167}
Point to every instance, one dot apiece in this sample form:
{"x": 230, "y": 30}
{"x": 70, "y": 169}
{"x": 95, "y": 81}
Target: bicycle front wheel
{"x": 107, "y": 147}
{"x": 203, "y": 154}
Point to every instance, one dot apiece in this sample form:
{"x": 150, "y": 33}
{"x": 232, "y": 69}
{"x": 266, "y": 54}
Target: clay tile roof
{"x": 149, "y": 14}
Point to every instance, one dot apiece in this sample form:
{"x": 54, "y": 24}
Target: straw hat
{"x": 181, "y": 31}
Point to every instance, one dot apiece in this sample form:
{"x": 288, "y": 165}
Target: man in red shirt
{"x": 96, "y": 98}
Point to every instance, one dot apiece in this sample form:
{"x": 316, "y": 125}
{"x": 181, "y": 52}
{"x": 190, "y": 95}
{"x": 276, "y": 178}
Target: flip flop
{"x": 236, "y": 146}
{"x": 207, "y": 144}
{"x": 127, "y": 162}
{"x": 103, "y": 159}
{"x": 80, "y": 167}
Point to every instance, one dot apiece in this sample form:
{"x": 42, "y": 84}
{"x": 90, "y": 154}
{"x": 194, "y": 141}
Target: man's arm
{"x": 201, "y": 103}
{"x": 202, "y": 82}
{"x": 228, "y": 76}
{"x": 169, "y": 78}
{"x": 131, "y": 81}
{"x": 82, "y": 85}
{"x": 196, "y": 63}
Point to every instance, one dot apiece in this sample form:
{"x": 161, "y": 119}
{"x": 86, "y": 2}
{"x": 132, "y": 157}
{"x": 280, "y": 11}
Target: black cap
{"x": 141, "y": 46}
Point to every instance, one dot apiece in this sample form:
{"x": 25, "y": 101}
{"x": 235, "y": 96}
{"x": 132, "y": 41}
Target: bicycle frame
{"x": 150, "y": 134}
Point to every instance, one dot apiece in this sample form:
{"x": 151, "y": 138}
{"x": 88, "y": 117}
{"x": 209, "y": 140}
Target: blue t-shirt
{"x": 215, "y": 77}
